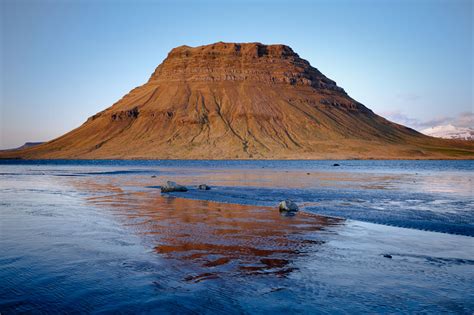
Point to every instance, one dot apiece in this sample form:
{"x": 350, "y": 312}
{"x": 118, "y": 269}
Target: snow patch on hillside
{"x": 450, "y": 132}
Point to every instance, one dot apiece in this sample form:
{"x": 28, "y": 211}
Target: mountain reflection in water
{"x": 219, "y": 238}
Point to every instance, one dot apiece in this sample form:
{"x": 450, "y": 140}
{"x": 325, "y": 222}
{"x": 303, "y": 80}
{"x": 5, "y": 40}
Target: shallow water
{"x": 86, "y": 236}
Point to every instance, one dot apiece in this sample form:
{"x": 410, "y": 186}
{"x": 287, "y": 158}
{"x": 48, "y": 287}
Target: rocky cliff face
{"x": 229, "y": 100}
{"x": 254, "y": 62}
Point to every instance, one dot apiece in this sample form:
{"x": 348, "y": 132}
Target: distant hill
{"x": 241, "y": 101}
{"x": 25, "y": 146}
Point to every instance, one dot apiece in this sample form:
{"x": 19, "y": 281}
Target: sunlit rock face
{"x": 252, "y": 62}
{"x": 241, "y": 101}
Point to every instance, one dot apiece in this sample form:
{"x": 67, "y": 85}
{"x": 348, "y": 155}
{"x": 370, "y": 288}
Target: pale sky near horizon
{"x": 63, "y": 61}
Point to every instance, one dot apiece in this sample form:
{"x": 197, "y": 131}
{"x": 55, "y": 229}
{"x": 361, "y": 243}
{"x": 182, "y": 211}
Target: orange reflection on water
{"x": 216, "y": 237}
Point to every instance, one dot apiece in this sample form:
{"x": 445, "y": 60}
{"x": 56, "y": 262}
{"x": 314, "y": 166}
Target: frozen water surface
{"x": 97, "y": 236}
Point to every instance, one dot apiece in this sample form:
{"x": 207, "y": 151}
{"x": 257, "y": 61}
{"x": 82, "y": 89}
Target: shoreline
{"x": 249, "y": 160}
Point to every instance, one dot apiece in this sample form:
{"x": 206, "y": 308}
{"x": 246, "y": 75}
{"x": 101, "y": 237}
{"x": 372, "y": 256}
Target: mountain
{"x": 241, "y": 101}
{"x": 450, "y": 132}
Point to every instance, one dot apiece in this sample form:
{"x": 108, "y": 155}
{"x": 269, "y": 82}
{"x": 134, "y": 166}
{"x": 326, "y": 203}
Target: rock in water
{"x": 288, "y": 206}
{"x": 172, "y": 186}
{"x": 203, "y": 187}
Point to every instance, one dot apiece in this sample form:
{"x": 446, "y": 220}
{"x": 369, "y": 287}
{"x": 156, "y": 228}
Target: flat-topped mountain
{"x": 254, "y": 62}
{"x": 241, "y": 101}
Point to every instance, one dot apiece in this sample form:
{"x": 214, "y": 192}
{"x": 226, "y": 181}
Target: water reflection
{"x": 104, "y": 243}
{"x": 217, "y": 238}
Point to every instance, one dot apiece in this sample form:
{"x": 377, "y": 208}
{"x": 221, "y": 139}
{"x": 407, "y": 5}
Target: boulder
{"x": 172, "y": 186}
{"x": 335, "y": 164}
{"x": 288, "y": 206}
{"x": 203, "y": 187}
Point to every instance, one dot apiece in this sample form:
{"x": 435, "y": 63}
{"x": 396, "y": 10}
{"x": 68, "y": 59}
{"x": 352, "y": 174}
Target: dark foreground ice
{"x": 99, "y": 237}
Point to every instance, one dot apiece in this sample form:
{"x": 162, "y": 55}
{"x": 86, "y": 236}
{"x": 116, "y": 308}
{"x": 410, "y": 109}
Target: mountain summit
{"x": 241, "y": 101}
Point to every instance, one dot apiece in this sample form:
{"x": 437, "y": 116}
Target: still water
{"x": 98, "y": 236}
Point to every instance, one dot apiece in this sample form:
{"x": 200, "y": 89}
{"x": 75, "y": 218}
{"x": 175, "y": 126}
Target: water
{"x": 97, "y": 236}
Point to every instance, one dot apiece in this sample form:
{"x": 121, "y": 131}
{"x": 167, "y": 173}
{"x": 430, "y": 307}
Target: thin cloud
{"x": 411, "y": 97}
{"x": 464, "y": 119}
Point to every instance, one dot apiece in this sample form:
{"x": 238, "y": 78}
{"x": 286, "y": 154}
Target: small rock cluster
{"x": 174, "y": 187}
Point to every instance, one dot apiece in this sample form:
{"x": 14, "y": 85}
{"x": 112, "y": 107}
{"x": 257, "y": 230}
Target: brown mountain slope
{"x": 238, "y": 101}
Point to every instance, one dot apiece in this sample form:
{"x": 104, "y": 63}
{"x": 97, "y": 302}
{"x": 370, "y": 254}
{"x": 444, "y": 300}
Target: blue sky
{"x": 63, "y": 61}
